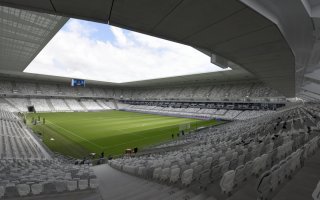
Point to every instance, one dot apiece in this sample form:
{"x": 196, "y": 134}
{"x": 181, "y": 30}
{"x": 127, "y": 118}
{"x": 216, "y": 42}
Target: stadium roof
{"x": 23, "y": 34}
{"x": 221, "y": 77}
{"x": 262, "y": 37}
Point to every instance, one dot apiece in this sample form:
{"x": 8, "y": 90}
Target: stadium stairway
{"x": 99, "y": 104}
{"x": 115, "y": 104}
{"x": 67, "y": 104}
{"x": 8, "y": 102}
{"x": 117, "y": 185}
{"x": 83, "y": 106}
{"x": 29, "y": 101}
{"x": 50, "y": 105}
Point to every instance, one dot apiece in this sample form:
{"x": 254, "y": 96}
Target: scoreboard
{"x": 78, "y": 82}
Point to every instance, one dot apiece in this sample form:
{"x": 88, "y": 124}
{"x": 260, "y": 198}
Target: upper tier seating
{"x": 213, "y": 92}
{"x": 25, "y": 88}
{"x": 5, "y": 87}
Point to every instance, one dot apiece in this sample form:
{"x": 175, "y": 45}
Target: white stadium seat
{"x": 187, "y": 176}
{"x": 157, "y": 172}
{"x": 2, "y": 190}
{"x": 83, "y": 184}
{"x": 94, "y": 183}
{"x": 37, "y": 188}
{"x": 23, "y": 189}
{"x": 227, "y": 181}
{"x": 72, "y": 185}
{"x": 165, "y": 173}
{"x": 174, "y": 175}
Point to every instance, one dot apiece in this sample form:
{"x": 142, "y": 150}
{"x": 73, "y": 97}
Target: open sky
{"x": 94, "y": 51}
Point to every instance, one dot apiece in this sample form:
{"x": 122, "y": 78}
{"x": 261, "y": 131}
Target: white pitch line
{"x": 143, "y": 138}
{"x": 75, "y": 135}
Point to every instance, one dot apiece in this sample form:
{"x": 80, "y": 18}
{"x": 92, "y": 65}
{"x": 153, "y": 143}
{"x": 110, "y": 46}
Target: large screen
{"x": 78, "y": 82}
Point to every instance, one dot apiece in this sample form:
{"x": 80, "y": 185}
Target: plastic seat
{"x": 165, "y": 173}
{"x": 36, "y": 188}
{"x": 141, "y": 171}
{"x": 186, "y": 177}
{"x": 274, "y": 156}
{"x": 215, "y": 162}
{"x": 240, "y": 176}
{"x": 298, "y": 157}
{"x": 204, "y": 179}
{"x": 274, "y": 177}
{"x": 11, "y": 190}
{"x": 193, "y": 165}
{"x": 264, "y": 185}
{"x": 254, "y": 153}
{"x": 61, "y": 186}
{"x": 247, "y": 157}
{"x": 83, "y": 184}
{"x": 222, "y": 159}
{"x": 49, "y": 187}
{"x": 215, "y": 173}
{"x": 269, "y": 147}
{"x": 248, "y": 169}
{"x": 227, "y": 181}
{"x": 23, "y": 189}
{"x": 209, "y": 159}
{"x": 94, "y": 183}
{"x": 228, "y": 155}
{"x": 196, "y": 172}
{"x": 2, "y": 190}
{"x": 241, "y": 159}
{"x": 256, "y": 165}
{"x": 167, "y": 164}
{"x": 174, "y": 175}
{"x": 269, "y": 160}
{"x": 282, "y": 171}
{"x": 234, "y": 155}
{"x": 263, "y": 163}
{"x": 316, "y": 193}
{"x": 289, "y": 161}
{"x": 280, "y": 154}
{"x": 225, "y": 167}
{"x": 157, "y": 173}
{"x": 233, "y": 164}
{"x": 72, "y": 185}
{"x": 206, "y": 165}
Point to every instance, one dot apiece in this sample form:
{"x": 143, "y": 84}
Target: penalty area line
{"x": 72, "y": 133}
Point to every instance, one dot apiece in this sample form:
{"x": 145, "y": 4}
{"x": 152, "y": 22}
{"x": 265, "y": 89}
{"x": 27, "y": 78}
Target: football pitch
{"x": 77, "y": 134}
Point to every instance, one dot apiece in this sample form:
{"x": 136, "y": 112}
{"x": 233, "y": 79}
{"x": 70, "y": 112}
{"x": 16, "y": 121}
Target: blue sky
{"x": 94, "y": 51}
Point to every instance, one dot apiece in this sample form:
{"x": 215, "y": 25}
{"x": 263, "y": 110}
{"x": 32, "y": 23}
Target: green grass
{"x": 78, "y": 134}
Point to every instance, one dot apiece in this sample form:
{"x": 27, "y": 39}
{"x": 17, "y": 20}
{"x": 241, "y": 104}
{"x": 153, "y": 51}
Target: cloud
{"x": 127, "y": 56}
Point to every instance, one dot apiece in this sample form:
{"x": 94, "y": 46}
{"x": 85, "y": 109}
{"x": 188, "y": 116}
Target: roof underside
{"x": 23, "y": 34}
{"x": 228, "y": 29}
{"x": 213, "y": 78}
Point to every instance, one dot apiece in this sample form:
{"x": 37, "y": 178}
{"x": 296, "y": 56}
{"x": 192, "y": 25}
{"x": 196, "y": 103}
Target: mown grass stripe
{"x": 111, "y": 131}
